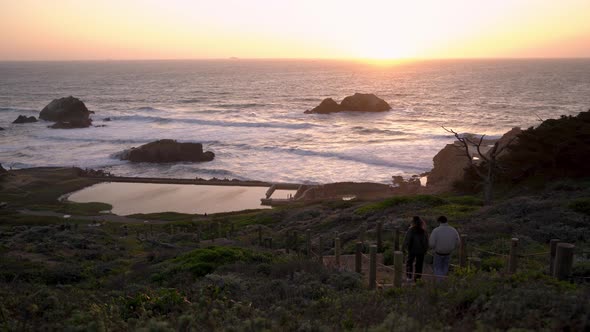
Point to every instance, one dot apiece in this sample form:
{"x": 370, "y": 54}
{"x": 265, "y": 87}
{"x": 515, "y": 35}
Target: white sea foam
{"x": 252, "y": 117}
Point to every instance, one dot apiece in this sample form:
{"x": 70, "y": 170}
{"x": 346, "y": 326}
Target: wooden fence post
{"x": 396, "y": 239}
{"x": 363, "y": 233}
{"x": 308, "y": 242}
{"x": 564, "y": 259}
{"x": 513, "y": 260}
{"x": 553, "y": 248}
{"x": 475, "y": 262}
{"x": 463, "y": 251}
{"x": 358, "y": 259}
{"x": 337, "y": 251}
{"x": 379, "y": 237}
{"x": 321, "y": 250}
{"x": 398, "y": 262}
{"x": 373, "y": 267}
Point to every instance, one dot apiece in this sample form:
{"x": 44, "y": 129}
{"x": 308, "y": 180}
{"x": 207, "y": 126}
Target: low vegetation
{"x": 196, "y": 272}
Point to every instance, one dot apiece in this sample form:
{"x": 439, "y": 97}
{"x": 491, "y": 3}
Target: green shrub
{"x": 201, "y": 262}
{"x": 581, "y": 205}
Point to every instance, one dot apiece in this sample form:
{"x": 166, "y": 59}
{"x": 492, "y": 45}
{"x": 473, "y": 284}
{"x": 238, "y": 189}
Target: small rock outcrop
{"x": 359, "y": 102}
{"x": 106, "y": 119}
{"x": 3, "y": 170}
{"x": 166, "y": 151}
{"x": 327, "y": 105}
{"x": 68, "y": 112}
{"x": 25, "y": 119}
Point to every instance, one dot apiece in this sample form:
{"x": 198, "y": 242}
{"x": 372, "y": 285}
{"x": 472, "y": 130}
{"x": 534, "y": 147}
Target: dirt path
{"x": 384, "y": 273}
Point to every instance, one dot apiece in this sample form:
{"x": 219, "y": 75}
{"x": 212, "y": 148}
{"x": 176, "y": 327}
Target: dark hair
{"x": 416, "y": 221}
{"x": 442, "y": 219}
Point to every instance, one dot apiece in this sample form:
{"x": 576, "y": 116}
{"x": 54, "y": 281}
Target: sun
{"x": 379, "y": 53}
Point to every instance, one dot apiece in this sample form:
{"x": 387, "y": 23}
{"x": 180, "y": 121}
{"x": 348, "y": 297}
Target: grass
{"x": 416, "y": 200}
{"x": 81, "y": 209}
{"x": 13, "y": 219}
{"x": 451, "y": 211}
{"x": 167, "y": 216}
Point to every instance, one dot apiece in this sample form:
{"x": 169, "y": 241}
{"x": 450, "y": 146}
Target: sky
{"x": 368, "y": 29}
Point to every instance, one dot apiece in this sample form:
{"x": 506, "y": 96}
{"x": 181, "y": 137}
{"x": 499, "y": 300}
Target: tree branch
{"x": 464, "y": 141}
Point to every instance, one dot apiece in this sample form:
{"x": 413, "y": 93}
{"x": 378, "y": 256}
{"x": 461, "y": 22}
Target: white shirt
{"x": 444, "y": 239}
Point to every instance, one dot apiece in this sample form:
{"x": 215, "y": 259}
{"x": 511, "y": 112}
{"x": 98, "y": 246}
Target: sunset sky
{"x": 370, "y": 29}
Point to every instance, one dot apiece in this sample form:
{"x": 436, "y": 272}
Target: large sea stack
{"x": 167, "y": 151}
{"x": 67, "y": 112}
{"x": 359, "y": 102}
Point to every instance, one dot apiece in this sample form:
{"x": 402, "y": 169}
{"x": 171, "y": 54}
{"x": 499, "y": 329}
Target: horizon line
{"x": 233, "y": 58}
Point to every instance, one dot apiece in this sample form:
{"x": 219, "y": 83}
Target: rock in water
{"x": 364, "y": 102}
{"x": 71, "y": 124}
{"x": 165, "y": 151}
{"x": 327, "y": 105}
{"x": 68, "y": 112}
{"x": 25, "y": 119}
{"x": 359, "y": 102}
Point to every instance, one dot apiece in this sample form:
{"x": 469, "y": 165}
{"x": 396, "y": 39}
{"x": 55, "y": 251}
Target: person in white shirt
{"x": 443, "y": 240}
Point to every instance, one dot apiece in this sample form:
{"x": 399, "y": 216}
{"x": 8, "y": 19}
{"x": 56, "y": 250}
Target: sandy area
{"x": 129, "y": 198}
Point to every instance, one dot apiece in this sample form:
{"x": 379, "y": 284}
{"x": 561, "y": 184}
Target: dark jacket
{"x": 416, "y": 241}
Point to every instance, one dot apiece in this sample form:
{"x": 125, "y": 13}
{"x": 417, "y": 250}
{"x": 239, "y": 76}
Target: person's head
{"x": 442, "y": 219}
{"x": 416, "y": 221}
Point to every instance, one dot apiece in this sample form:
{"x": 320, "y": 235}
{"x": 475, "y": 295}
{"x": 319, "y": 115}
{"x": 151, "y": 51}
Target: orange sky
{"x": 371, "y": 29}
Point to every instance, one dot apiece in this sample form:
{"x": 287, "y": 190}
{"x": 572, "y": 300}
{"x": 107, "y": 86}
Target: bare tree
{"x": 487, "y": 175}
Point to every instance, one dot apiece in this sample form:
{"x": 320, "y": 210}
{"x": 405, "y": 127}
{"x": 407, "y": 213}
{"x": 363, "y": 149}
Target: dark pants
{"x": 410, "y": 265}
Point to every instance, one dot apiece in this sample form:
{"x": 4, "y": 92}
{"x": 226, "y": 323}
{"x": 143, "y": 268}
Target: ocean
{"x": 250, "y": 113}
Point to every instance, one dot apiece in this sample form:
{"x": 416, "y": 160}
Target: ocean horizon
{"x": 250, "y": 113}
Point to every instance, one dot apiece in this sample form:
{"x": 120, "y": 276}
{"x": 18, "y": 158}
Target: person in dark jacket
{"x": 416, "y": 244}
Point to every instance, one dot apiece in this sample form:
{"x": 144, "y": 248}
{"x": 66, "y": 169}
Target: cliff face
{"x": 451, "y": 161}
{"x": 449, "y": 164}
